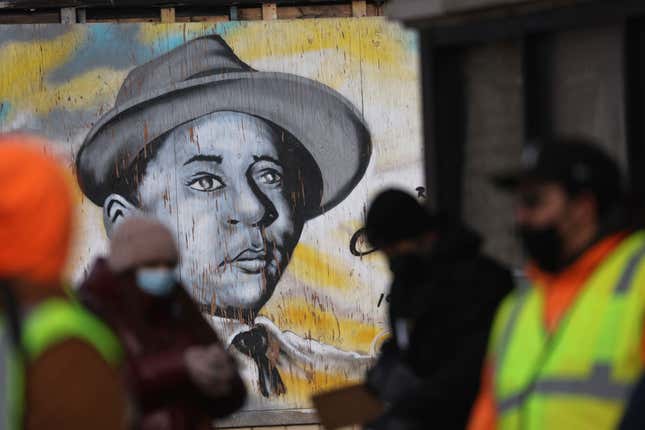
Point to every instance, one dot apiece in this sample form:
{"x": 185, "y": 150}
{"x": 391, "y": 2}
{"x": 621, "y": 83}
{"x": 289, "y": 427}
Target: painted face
{"x": 235, "y": 217}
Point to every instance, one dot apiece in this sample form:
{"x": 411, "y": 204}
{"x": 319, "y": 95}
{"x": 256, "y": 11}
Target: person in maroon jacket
{"x": 179, "y": 374}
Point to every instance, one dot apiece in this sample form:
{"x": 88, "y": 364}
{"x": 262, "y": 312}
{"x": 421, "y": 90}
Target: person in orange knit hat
{"x": 60, "y": 363}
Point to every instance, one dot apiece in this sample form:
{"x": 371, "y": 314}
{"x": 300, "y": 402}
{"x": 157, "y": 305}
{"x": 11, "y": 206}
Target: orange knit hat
{"x": 35, "y": 211}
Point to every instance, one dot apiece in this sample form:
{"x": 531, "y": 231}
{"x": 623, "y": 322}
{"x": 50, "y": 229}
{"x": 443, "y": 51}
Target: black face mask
{"x": 410, "y": 267}
{"x": 543, "y": 246}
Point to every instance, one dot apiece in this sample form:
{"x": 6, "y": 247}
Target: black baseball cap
{"x": 396, "y": 215}
{"x": 578, "y": 164}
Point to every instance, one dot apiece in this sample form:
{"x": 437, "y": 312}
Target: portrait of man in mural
{"x": 235, "y": 161}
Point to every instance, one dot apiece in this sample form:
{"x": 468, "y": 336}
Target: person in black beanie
{"x": 441, "y": 304}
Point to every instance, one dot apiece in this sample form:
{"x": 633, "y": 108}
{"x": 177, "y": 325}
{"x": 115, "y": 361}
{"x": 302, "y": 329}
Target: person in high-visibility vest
{"x": 59, "y": 364}
{"x": 567, "y": 346}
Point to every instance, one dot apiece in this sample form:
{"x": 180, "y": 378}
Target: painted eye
{"x": 206, "y": 183}
{"x": 270, "y": 177}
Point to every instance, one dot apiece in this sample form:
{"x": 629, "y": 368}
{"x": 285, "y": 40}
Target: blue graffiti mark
{"x": 5, "y": 107}
{"x": 224, "y": 28}
{"x": 411, "y": 41}
{"x": 120, "y": 47}
{"x": 174, "y": 39}
{"x": 105, "y": 45}
{"x": 29, "y": 33}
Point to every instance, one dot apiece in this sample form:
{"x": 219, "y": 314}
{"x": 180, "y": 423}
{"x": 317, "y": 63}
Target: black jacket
{"x": 449, "y": 299}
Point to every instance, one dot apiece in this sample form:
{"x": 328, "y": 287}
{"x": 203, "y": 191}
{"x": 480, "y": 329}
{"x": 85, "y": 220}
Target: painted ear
{"x": 115, "y": 209}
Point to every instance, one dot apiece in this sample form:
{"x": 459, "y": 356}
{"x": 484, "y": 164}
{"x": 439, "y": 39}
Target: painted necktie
{"x": 256, "y": 344}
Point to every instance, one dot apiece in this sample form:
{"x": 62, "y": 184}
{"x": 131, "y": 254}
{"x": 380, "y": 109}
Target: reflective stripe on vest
{"x": 599, "y": 386}
{"x": 51, "y": 322}
{"x": 616, "y": 320}
{"x": 57, "y": 319}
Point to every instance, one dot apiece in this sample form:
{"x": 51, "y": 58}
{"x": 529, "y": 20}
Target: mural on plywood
{"x": 249, "y": 157}
{"x": 259, "y": 145}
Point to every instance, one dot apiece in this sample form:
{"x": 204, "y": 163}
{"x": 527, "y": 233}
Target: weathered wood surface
{"x": 186, "y": 13}
{"x": 359, "y": 8}
{"x": 34, "y": 4}
{"x": 68, "y": 15}
{"x": 168, "y": 14}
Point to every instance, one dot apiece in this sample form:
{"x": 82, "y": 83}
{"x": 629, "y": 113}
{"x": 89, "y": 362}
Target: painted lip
{"x": 250, "y": 261}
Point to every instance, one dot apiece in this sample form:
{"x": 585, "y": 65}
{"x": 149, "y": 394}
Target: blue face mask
{"x": 157, "y": 282}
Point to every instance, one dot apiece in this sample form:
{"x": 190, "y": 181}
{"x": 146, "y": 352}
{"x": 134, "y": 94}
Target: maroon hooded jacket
{"x": 155, "y": 333}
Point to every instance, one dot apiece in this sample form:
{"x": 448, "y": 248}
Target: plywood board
{"x": 275, "y": 156}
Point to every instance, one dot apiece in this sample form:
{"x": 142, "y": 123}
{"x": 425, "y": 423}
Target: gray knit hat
{"x": 138, "y": 241}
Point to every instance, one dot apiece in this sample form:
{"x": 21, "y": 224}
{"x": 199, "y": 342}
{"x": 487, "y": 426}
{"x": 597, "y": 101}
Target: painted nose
{"x": 249, "y": 207}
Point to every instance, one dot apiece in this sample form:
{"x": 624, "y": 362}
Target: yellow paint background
{"x": 25, "y": 84}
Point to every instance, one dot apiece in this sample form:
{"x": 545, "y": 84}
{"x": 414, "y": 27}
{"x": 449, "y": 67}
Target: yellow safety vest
{"x": 579, "y": 377}
{"x": 49, "y": 323}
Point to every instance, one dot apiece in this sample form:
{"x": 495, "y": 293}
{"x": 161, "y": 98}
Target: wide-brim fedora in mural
{"x": 205, "y": 76}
